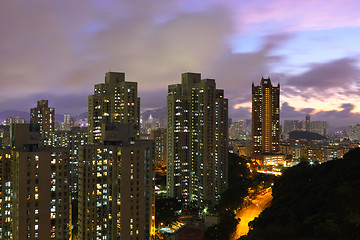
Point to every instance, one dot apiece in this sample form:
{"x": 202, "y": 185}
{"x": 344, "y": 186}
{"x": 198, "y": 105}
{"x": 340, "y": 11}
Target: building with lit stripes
{"x": 265, "y": 118}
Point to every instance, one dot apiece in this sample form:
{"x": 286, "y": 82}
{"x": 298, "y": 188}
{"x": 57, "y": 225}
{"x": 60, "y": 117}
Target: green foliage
{"x": 193, "y": 209}
{"x": 314, "y": 202}
{"x": 165, "y": 210}
{"x": 160, "y": 180}
{"x": 224, "y": 229}
{"x": 305, "y": 135}
{"x": 240, "y": 180}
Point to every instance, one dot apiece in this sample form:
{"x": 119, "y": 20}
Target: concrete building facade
{"x": 43, "y": 116}
{"x": 116, "y": 187}
{"x": 197, "y": 140}
{"x": 114, "y": 101}
{"x": 354, "y": 134}
{"x": 319, "y": 127}
{"x": 34, "y": 188}
{"x": 41, "y": 194}
{"x": 159, "y": 137}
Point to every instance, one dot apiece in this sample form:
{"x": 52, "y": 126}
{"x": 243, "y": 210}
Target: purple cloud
{"x": 63, "y": 49}
{"x": 339, "y": 73}
{"x": 240, "y": 113}
{"x": 299, "y": 15}
{"x": 289, "y": 113}
{"x": 342, "y": 118}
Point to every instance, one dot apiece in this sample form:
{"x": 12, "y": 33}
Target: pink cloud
{"x": 342, "y": 117}
{"x": 300, "y": 15}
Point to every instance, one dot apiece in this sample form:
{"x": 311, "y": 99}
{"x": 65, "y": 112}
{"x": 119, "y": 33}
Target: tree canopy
{"x": 313, "y": 201}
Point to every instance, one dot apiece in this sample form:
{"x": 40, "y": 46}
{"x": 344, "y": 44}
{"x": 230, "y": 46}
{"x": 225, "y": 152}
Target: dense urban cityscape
{"x": 101, "y": 177}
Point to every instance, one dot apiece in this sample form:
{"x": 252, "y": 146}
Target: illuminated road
{"x": 248, "y": 214}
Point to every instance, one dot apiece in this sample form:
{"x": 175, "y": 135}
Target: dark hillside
{"x": 305, "y": 135}
{"x": 314, "y": 202}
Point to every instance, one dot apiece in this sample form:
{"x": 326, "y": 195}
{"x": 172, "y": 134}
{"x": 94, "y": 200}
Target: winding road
{"x": 249, "y": 213}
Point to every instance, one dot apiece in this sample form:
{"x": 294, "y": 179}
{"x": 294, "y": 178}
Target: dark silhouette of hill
{"x": 314, "y": 202}
{"x": 80, "y": 116}
{"x": 26, "y": 115}
{"x": 305, "y": 135}
{"x": 14, "y": 114}
{"x": 159, "y": 113}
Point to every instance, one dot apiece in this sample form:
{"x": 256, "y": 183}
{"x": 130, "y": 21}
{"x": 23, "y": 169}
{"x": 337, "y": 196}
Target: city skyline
{"x": 59, "y": 51}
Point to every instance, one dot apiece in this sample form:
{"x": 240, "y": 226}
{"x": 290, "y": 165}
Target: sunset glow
{"x": 58, "y": 51}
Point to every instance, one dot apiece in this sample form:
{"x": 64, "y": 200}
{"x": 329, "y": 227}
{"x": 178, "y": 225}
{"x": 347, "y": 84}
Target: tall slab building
{"x": 265, "y": 118}
{"x": 43, "y": 117}
{"x": 114, "y": 101}
{"x": 197, "y": 140}
{"x": 34, "y": 188}
{"x": 116, "y": 187}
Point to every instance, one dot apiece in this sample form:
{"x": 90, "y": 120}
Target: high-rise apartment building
{"x": 10, "y": 120}
{"x": 6, "y": 190}
{"x": 307, "y": 123}
{"x": 319, "y": 127}
{"x": 41, "y": 194}
{"x": 293, "y": 125}
{"x": 43, "y": 117}
{"x": 116, "y": 186}
{"x": 114, "y": 101}
{"x": 67, "y": 118}
{"x": 35, "y": 188}
{"x": 354, "y": 133}
{"x": 265, "y": 118}
{"x": 240, "y": 130}
{"x": 159, "y": 137}
{"x": 197, "y": 140}
{"x": 72, "y": 139}
{"x": 66, "y": 125}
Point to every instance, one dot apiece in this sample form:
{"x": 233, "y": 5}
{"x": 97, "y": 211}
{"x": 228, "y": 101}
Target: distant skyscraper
{"x": 43, "y": 117}
{"x": 159, "y": 137}
{"x": 240, "y": 130}
{"x": 197, "y": 140}
{"x": 354, "y": 134}
{"x": 265, "y": 117}
{"x": 319, "y": 127}
{"x": 114, "y": 101}
{"x": 66, "y": 125}
{"x": 307, "y": 123}
{"x": 67, "y": 118}
{"x": 10, "y": 120}
{"x": 293, "y": 125}
{"x": 116, "y": 186}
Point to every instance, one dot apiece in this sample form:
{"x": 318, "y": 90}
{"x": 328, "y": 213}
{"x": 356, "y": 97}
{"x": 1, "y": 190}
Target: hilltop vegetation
{"x": 305, "y": 135}
{"x": 314, "y": 202}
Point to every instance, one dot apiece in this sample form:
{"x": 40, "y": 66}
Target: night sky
{"x": 58, "y": 50}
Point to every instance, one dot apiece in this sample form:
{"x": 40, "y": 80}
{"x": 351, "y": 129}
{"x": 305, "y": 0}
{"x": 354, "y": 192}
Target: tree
{"x": 165, "y": 210}
{"x": 314, "y": 201}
